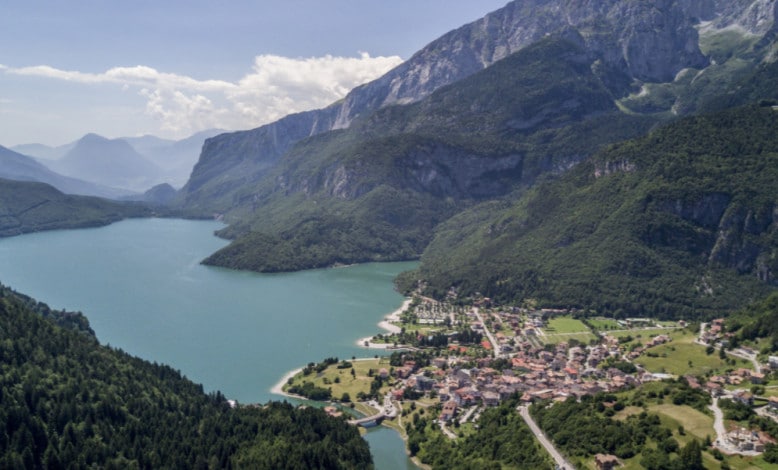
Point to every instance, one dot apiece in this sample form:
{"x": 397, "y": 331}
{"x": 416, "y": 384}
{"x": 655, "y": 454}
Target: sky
{"x": 173, "y": 68}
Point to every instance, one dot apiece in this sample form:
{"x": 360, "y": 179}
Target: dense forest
{"x": 502, "y": 440}
{"x": 758, "y": 320}
{"x": 31, "y": 207}
{"x": 587, "y": 427}
{"x": 678, "y": 224}
{"x": 68, "y": 402}
{"x": 377, "y": 190}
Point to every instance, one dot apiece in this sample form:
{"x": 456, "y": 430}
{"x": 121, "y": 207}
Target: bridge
{"x": 369, "y": 421}
{"x": 387, "y": 411}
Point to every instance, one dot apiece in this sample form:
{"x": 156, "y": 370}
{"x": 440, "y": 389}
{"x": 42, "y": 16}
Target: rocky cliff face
{"x": 752, "y": 16}
{"x": 727, "y": 234}
{"x": 649, "y": 41}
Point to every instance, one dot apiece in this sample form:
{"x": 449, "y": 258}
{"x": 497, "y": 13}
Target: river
{"x": 141, "y": 284}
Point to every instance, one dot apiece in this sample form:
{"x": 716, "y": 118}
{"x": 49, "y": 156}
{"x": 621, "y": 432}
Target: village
{"x": 550, "y": 355}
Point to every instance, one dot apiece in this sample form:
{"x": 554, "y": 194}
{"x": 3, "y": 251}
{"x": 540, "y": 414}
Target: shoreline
{"x": 386, "y": 324}
{"x": 278, "y": 388}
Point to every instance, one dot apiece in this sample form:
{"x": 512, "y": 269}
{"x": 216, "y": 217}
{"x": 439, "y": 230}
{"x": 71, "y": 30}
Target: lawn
{"x": 565, "y": 325}
{"x": 680, "y": 358}
{"x": 604, "y": 324}
{"x": 644, "y": 335}
{"x": 563, "y": 337}
{"x": 352, "y": 385}
{"x": 695, "y": 423}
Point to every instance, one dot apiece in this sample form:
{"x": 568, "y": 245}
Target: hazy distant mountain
{"x": 15, "y": 166}
{"x": 175, "y": 158}
{"x": 111, "y": 162}
{"x": 43, "y": 151}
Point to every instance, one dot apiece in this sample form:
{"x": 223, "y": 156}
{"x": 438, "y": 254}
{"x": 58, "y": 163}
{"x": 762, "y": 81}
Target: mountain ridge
{"x": 454, "y": 56}
{"x": 16, "y": 166}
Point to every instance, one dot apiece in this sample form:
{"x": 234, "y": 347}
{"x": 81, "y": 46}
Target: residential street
{"x": 495, "y": 344}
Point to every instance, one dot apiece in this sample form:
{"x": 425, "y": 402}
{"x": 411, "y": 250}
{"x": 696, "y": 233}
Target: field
{"x": 564, "y": 329}
{"x": 604, "y": 324}
{"x": 564, "y": 325}
{"x": 352, "y": 385}
{"x": 564, "y": 337}
{"x": 681, "y": 356}
{"x": 643, "y": 335}
{"x": 695, "y": 423}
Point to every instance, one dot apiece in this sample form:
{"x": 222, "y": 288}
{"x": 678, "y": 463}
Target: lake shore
{"x": 278, "y": 388}
{"x": 386, "y": 324}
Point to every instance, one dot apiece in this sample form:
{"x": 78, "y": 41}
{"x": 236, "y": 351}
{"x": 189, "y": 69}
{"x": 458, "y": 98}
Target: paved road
{"x": 495, "y": 345}
{"x": 558, "y": 458}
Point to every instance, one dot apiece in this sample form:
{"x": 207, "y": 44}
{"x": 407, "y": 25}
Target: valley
{"x": 578, "y": 202}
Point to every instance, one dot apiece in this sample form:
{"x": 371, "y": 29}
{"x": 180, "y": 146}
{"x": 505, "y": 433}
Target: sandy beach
{"x": 387, "y": 325}
{"x": 278, "y": 388}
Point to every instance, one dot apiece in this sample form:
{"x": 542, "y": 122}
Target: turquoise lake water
{"x": 142, "y": 287}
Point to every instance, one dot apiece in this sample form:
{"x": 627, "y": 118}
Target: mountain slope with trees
{"x": 30, "y": 207}
{"x": 375, "y": 191}
{"x": 68, "y": 402}
{"x": 681, "y": 223}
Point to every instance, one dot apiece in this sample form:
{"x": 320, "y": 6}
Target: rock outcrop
{"x": 648, "y": 41}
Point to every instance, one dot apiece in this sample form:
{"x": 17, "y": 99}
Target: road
{"x": 722, "y": 442}
{"x": 718, "y": 425}
{"x": 495, "y": 345}
{"x": 558, "y": 458}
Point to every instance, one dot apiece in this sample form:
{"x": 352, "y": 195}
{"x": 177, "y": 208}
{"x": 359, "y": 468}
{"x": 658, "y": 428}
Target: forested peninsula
{"x": 68, "y": 402}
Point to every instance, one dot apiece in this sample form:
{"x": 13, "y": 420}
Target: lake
{"x": 141, "y": 284}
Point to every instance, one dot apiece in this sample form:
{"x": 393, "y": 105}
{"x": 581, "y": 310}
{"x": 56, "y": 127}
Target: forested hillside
{"x": 376, "y": 191}
{"x": 30, "y": 207}
{"x": 681, "y": 223}
{"x": 68, "y": 402}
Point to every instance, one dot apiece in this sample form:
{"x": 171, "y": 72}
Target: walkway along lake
{"x": 141, "y": 285}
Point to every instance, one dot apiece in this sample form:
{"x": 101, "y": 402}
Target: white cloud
{"x": 276, "y": 86}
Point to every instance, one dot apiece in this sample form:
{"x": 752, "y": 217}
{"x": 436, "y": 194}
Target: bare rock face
{"x": 647, "y": 41}
{"x": 752, "y": 16}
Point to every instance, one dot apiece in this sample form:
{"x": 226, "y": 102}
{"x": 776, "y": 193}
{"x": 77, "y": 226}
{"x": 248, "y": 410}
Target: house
{"x": 772, "y": 403}
{"x": 606, "y": 462}
{"x": 744, "y": 397}
{"x": 491, "y": 398}
{"x": 714, "y": 388}
{"x": 424, "y": 384}
{"x": 694, "y": 384}
{"x": 449, "y": 411}
{"x": 757, "y": 378}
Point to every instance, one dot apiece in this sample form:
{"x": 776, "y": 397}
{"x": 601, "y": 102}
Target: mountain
{"x": 376, "y": 191}
{"x": 44, "y": 152}
{"x": 430, "y": 155}
{"x": 621, "y": 32}
{"x": 682, "y": 223}
{"x": 68, "y": 401}
{"x": 32, "y": 207}
{"x": 108, "y": 162}
{"x": 15, "y": 166}
{"x": 160, "y": 195}
{"x": 175, "y": 158}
